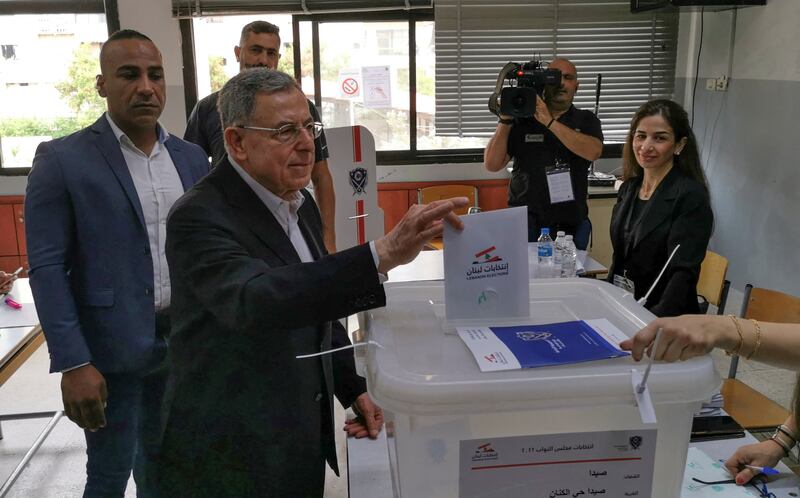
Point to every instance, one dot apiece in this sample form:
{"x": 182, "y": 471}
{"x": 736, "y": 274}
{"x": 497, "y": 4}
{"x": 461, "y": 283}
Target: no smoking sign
{"x": 350, "y": 87}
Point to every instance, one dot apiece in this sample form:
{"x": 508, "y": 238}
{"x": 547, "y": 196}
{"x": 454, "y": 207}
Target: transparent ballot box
{"x": 442, "y": 411}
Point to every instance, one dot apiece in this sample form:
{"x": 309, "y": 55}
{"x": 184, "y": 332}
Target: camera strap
{"x": 494, "y": 98}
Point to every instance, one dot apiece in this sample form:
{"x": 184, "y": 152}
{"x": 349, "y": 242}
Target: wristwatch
{"x": 505, "y": 121}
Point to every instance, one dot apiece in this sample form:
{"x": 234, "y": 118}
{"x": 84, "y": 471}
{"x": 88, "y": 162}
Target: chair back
{"x": 767, "y": 305}
{"x": 771, "y": 306}
{"x": 427, "y": 195}
{"x": 712, "y": 278}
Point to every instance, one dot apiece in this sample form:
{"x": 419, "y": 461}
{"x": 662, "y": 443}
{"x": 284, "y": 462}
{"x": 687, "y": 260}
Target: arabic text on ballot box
{"x": 589, "y": 464}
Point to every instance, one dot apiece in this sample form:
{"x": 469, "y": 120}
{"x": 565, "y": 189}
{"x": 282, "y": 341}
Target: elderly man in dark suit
{"x": 253, "y": 288}
{"x": 95, "y": 212}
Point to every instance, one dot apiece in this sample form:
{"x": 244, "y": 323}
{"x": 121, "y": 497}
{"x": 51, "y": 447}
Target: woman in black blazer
{"x": 663, "y": 202}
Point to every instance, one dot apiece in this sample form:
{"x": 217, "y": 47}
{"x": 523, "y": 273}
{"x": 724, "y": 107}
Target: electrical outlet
{"x": 711, "y": 84}
{"x": 722, "y": 84}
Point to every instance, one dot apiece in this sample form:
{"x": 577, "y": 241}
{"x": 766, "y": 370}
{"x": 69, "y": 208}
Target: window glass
{"x": 365, "y": 79}
{"x": 426, "y": 97}
{"x": 214, "y": 40}
{"x": 48, "y": 65}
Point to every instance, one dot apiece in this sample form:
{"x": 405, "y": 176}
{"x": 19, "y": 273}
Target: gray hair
{"x": 237, "y": 99}
{"x": 259, "y": 27}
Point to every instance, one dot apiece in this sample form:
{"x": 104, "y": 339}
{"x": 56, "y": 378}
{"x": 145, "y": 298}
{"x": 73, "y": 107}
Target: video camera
{"x": 527, "y": 80}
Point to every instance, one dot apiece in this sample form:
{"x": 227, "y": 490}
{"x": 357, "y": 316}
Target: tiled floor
{"x": 57, "y": 470}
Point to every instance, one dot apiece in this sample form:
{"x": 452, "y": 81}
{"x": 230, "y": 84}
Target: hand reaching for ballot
{"x": 420, "y": 224}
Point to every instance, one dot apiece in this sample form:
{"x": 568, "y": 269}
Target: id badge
{"x": 624, "y": 283}
{"x": 559, "y": 184}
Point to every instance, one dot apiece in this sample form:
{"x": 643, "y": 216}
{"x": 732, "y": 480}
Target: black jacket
{"x": 244, "y": 417}
{"x": 678, "y": 212}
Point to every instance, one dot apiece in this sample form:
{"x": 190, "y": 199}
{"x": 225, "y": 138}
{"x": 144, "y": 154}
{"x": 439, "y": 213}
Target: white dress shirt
{"x": 158, "y": 186}
{"x": 286, "y": 213}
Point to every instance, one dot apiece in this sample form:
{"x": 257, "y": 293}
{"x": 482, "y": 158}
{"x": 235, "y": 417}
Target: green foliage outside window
{"x": 216, "y": 68}
{"x": 78, "y": 89}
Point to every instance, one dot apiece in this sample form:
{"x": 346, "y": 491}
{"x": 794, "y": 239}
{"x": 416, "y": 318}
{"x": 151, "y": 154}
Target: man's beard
{"x": 557, "y": 98}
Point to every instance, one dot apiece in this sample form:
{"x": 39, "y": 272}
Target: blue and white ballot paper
{"x": 486, "y": 266}
{"x": 528, "y": 346}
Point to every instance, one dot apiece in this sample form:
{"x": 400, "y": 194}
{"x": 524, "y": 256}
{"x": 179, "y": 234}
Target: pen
{"x": 640, "y": 388}
{"x": 15, "y": 274}
{"x": 767, "y": 471}
{"x": 8, "y": 300}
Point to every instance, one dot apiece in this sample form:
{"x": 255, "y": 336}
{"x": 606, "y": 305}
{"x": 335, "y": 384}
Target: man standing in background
{"x": 95, "y": 220}
{"x": 259, "y": 46}
{"x": 552, "y": 151}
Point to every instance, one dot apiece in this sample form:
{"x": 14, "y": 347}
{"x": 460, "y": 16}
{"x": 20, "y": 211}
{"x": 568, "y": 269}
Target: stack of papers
{"x": 528, "y": 346}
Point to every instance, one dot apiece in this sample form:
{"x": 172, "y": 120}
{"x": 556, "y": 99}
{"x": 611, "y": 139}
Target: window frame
{"x": 409, "y": 156}
{"x": 111, "y": 12}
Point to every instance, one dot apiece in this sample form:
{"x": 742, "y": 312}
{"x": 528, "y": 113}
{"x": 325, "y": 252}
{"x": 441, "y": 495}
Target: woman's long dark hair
{"x": 688, "y": 162}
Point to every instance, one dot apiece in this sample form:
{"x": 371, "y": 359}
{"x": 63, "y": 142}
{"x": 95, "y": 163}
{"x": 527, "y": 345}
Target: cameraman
{"x": 552, "y": 151}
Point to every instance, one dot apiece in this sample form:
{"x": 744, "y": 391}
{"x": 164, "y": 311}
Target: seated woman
{"x": 663, "y": 202}
{"x": 777, "y": 344}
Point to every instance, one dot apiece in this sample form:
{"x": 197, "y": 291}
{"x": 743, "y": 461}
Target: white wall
{"x": 748, "y": 136}
{"x": 154, "y": 18}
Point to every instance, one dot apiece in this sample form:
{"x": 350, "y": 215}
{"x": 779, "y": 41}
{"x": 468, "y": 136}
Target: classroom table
{"x": 429, "y": 265}
{"x": 17, "y": 344}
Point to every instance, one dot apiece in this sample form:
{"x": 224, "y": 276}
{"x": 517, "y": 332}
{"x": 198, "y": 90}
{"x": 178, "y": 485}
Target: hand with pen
{"x": 776, "y": 344}
{"x": 753, "y": 459}
{"x": 7, "y": 280}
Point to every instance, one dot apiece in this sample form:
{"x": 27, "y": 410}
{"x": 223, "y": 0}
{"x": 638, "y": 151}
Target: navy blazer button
{"x": 148, "y": 291}
{"x": 318, "y": 397}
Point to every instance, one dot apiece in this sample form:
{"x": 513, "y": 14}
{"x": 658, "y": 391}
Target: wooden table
{"x": 17, "y": 344}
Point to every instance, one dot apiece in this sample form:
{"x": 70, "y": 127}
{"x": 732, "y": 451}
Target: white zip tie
{"x": 643, "y": 299}
{"x": 343, "y": 348}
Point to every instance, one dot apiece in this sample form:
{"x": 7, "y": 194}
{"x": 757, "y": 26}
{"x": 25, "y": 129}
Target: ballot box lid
{"x": 423, "y": 367}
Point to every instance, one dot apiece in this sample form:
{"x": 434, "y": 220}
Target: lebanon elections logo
{"x": 486, "y": 256}
{"x": 635, "y": 441}
{"x": 358, "y": 180}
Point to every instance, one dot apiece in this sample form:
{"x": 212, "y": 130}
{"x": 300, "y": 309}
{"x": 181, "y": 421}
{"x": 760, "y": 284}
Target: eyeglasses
{"x": 760, "y": 485}
{"x": 288, "y": 132}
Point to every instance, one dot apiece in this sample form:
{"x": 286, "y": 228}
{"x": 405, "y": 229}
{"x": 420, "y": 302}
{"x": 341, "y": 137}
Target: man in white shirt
{"x": 96, "y": 209}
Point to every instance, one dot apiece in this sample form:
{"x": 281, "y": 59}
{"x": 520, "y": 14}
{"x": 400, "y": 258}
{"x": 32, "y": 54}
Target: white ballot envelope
{"x": 486, "y": 266}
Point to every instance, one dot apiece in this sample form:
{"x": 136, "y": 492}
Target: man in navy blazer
{"x": 96, "y": 209}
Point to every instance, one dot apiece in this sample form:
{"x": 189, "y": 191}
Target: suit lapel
{"x": 179, "y": 160}
{"x": 623, "y": 209}
{"x": 658, "y": 208}
{"x": 255, "y": 215}
{"x": 110, "y": 149}
{"x": 310, "y": 235}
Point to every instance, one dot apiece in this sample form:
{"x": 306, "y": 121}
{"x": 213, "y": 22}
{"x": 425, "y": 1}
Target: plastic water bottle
{"x": 569, "y": 257}
{"x": 545, "y": 251}
{"x": 558, "y": 253}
